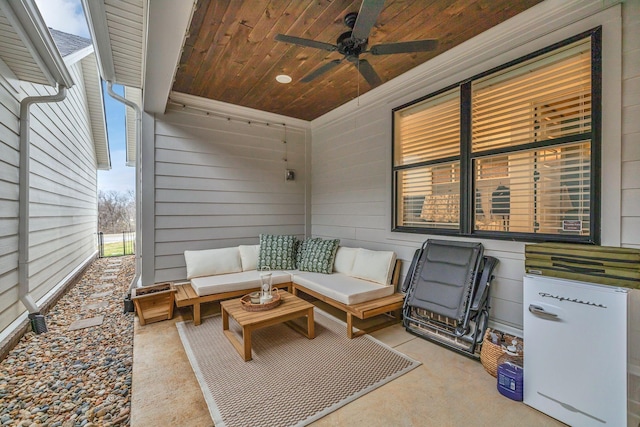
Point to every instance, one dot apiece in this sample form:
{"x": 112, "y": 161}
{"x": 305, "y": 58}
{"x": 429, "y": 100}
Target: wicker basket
{"x": 490, "y": 352}
{"x": 247, "y": 305}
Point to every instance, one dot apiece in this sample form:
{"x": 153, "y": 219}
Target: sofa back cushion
{"x": 344, "y": 260}
{"x": 375, "y": 266}
{"x": 277, "y": 252}
{"x": 317, "y": 255}
{"x": 249, "y": 256}
{"x": 211, "y": 262}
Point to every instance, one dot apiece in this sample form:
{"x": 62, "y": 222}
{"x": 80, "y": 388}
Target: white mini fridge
{"x": 575, "y": 356}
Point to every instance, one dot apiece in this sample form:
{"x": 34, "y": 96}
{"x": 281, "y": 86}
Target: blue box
{"x": 510, "y": 380}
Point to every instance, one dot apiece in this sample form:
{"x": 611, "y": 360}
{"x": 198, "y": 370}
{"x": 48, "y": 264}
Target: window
{"x": 511, "y": 153}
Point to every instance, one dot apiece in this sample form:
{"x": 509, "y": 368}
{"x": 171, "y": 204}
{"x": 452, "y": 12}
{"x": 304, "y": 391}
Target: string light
{"x": 227, "y": 117}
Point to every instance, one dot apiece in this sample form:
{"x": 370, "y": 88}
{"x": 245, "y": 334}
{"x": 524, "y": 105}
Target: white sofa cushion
{"x": 243, "y": 280}
{"x": 344, "y": 260}
{"x": 340, "y": 287}
{"x": 212, "y": 261}
{"x": 376, "y": 266}
{"x": 249, "y": 256}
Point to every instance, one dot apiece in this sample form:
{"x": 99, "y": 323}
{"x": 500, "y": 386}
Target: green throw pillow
{"x": 300, "y": 248}
{"x": 318, "y": 255}
{"x": 277, "y": 252}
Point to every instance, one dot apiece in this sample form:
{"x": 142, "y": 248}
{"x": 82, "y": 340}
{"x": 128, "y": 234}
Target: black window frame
{"x": 467, "y": 157}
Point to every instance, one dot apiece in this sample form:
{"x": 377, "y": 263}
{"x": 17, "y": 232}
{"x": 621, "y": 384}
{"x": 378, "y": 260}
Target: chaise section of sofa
{"x": 363, "y": 284}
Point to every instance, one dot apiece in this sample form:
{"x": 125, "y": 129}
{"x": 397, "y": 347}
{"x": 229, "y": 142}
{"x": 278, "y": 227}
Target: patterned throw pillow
{"x": 300, "y": 248}
{"x": 318, "y": 255}
{"x": 277, "y": 252}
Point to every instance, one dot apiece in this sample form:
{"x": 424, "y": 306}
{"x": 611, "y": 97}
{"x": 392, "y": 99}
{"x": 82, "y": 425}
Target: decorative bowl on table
{"x": 247, "y": 301}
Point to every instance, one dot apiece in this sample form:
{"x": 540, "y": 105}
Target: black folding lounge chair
{"x": 447, "y": 294}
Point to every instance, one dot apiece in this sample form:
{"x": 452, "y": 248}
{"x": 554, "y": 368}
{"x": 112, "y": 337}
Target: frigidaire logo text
{"x": 576, "y": 300}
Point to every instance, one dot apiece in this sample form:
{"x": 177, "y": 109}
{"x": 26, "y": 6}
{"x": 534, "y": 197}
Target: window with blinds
{"x": 429, "y": 130}
{"x": 427, "y": 136}
{"x": 510, "y": 153}
{"x": 537, "y": 100}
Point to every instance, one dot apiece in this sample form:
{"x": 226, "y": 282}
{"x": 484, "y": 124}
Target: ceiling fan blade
{"x": 305, "y": 42}
{"x": 367, "y": 17}
{"x": 320, "y": 70}
{"x": 404, "y": 47}
{"x": 368, "y": 72}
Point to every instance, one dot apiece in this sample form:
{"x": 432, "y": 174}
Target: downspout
{"x": 136, "y": 108}
{"x": 24, "y": 203}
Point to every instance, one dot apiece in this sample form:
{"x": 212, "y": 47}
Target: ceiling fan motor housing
{"x": 349, "y": 46}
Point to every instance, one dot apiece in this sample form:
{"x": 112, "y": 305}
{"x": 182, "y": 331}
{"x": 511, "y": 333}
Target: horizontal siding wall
{"x": 63, "y": 207}
{"x": 221, "y": 183}
{"x": 351, "y": 155}
{"x": 10, "y": 309}
{"x": 630, "y": 222}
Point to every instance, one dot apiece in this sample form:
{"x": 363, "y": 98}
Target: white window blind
{"x": 535, "y": 191}
{"x": 541, "y": 99}
{"x": 428, "y": 130}
{"x": 430, "y": 196}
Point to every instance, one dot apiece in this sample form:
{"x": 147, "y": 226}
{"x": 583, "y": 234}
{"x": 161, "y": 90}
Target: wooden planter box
{"x": 154, "y": 303}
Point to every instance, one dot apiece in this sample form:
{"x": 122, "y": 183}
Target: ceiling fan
{"x": 354, "y": 43}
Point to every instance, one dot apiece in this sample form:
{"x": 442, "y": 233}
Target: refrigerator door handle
{"x": 540, "y": 311}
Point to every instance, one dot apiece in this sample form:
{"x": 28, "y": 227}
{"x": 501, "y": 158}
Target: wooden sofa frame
{"x": 390, "y": 305}
{"x": 186, "y": 296}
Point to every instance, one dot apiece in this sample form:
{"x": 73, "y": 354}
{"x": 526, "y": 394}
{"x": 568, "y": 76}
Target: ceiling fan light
{"x": 283, "y": 78}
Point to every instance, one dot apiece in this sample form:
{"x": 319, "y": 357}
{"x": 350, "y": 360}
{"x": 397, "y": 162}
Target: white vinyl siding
{"x": 63, "y": 191}
{"x": 220, "y": 183}
{"x": 630, "y": 220}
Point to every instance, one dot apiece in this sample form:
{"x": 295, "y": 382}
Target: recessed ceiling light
{"x": 283, "y": 78}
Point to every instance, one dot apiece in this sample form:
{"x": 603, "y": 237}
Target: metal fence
{"x": 117, "y": 244}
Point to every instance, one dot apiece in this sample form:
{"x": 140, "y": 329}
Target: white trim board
{"x": 237, "y": 112}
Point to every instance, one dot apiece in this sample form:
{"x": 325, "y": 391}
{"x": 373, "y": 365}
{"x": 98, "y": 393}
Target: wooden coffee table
{"x": 290, "y": 308}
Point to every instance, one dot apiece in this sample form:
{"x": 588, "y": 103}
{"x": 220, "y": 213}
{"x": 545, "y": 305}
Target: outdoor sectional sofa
{"x": 358, "y": 281}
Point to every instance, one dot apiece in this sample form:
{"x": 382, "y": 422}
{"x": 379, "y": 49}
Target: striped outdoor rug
{"x": 291, "y": 380}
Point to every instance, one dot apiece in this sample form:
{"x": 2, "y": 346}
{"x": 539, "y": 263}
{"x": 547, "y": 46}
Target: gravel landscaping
{"x": 75, "y": 378}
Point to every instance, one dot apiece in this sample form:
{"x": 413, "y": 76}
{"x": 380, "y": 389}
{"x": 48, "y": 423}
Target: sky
{"x": 68, "y": 16}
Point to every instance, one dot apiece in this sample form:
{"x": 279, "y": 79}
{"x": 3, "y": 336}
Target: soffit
{"x": 118, "y": 30}
{"x": 125, "y": 20}
{"x": 95, "y": 103}
{"x": 15, "y": 53}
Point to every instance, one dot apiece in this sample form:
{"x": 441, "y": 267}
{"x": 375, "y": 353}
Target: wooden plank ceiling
{"x": 230, "y": 54}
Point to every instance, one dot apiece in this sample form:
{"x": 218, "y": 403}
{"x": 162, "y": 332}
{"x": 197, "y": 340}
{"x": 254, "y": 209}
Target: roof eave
{"x": 30, "y": 26}
{"x": 96, "y": 110}
{"x": 99, "y": 30}
{"x": 168, "y": 23}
